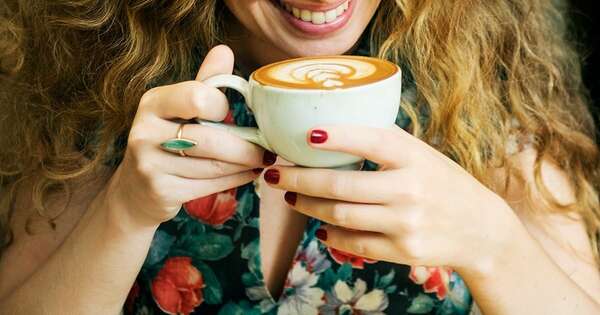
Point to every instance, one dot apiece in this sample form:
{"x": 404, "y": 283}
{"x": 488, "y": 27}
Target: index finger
{"x": 392, "y": 147}
{"x": 185, "y": 100}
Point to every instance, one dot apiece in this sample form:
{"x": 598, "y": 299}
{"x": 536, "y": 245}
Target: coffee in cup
{"x": 339, "y": 72}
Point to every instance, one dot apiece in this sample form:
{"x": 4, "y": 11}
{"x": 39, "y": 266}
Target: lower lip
{"x": 319, "y": 29}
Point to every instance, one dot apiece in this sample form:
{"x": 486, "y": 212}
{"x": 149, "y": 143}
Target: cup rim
{"x": 253, "y": 82}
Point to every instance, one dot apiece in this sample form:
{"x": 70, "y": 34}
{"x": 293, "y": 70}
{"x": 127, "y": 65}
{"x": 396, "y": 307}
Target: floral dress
{"x": 206, "y": 260}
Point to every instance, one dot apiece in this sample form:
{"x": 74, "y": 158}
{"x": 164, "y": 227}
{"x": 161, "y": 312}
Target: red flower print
{"x": 177, "y": 288}
{"x": 341, "y": 257}
{"x": 213, "y": 209}
{"x": 229, "y": 119}
{"x": 433, "y": 279}
{"x": 134, "y": 293}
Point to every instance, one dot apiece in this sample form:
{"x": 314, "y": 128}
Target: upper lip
{"x": 311, "y": 6}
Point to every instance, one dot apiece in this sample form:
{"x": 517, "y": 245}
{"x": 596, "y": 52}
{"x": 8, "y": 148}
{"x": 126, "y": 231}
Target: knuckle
{"x": 388, "y": 137}
{"x": 196, "y": 97}
{"x": 413, "y": 194}
{"x": 252, "y": 154}
{"x": 294, "y": 180}
{"x": 154, "y": 186}
{"x": 337, "y": 186}
{"x": 418, "y": 192}
{"x": 339, "y": 214}
{"x": 413, "y": 248}
{"x": 219, "y": 168}
{"x": 208, "y": 143}
{"x": 414, "y": 221}
{"x": 381, "y": 147}
{"x": 144, "y": 167}
{"x": 136, "y": 148}
{"x": 359, "y": 248}
{"x": 136, "y": 141}
{"x": 148, "y": 97}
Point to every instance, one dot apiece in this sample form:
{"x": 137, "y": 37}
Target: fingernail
{"x": 321, "y": 235}
{"x": 257, "y": 170}
{"x": 269, "y": 158}
{"x": 272, "y": 176}
{"x": 290, "y": 197}
{"x": 318, "y": 136}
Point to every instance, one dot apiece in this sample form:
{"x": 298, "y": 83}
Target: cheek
{"x": 251, "y": 14}
{"x": 242, "y": 10}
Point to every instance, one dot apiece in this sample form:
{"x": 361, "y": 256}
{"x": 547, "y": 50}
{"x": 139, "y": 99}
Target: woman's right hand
{"x": 151, "y": 184}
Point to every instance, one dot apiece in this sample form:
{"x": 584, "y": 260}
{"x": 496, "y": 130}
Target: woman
{"x": 497, "y": 182}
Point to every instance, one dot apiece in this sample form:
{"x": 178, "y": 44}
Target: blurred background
{"x": 586, "y": 16}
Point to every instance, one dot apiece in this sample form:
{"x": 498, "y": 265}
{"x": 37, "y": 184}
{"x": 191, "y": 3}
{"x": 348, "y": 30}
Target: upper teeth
{"x": 317, "y": 17}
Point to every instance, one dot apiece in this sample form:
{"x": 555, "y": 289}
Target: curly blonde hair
{"x": 72, "y": 73}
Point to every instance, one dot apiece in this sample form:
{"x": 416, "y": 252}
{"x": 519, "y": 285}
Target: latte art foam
{"x": 327, "y": 74}
{"x": 332, "y": 72}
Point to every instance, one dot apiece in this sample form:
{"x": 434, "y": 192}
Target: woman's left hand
{"x": 420, "y": 208}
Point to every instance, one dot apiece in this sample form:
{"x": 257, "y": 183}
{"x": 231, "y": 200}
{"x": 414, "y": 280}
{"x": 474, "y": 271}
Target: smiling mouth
{"x": 316, "y": 17}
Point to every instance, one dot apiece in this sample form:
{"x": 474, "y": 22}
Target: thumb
{"x": 219, "y": 60}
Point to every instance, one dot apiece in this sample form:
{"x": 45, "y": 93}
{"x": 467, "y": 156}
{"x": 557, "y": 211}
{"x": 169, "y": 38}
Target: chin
{"x": 303, "y": 48}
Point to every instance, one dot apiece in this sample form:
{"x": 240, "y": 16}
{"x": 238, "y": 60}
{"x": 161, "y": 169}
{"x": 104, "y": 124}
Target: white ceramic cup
{"x": 285, "y": 115}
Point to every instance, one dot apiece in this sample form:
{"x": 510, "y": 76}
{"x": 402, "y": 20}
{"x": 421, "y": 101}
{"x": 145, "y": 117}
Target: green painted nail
{"x": 178, "y": 144}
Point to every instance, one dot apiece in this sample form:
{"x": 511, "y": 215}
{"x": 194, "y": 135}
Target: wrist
{"x": 502, "y": 241}
{"x": 120, "y": 218}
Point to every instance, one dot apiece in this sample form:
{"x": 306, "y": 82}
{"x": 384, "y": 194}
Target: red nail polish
{"x": 257, "y": 170}
{"x": 272, "y": 176}
{"x": 290, "y": 197}
{"x": 318, "y": 136}
{"x": 269, "y": 158}
{"x": 321, "y": 235}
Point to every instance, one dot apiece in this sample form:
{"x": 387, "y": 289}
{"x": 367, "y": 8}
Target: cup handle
{"x": 237, "y": 83}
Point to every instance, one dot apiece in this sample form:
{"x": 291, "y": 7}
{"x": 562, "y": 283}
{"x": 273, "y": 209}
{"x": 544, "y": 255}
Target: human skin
{"x": 91, "y": 267}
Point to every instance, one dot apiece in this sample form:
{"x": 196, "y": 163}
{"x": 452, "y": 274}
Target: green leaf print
{"x": 251, "y": 253}
{"x": 253, "y": 223}
{"x": 159, "y": 249}
{"x": 422, "y": 304}
{"x": 250, "y": 280}
{"x": 238, "y": 232}
{"x": 209, "y": 246}
{"x": 391, "y": 289}
{"x": 386, "y": 280}
{"x": 213, "y": 293}
{"x": 250, "y": 250}
{"x": 254, "y": 265}
{"x": 244, "y": 308}
{"x": 327, "y": 279}
{"x": 345, "y": 272}
{"x": 231, "y": 309}
{"x": 245, "y": 205}
{"x": 181, "y": 216}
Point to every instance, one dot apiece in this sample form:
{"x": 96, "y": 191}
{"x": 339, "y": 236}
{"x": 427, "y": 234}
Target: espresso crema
{"x": 325, "y": 72}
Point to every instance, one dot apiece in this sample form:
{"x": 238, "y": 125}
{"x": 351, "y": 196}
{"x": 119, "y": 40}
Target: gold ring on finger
{"x": 178, "y": 144}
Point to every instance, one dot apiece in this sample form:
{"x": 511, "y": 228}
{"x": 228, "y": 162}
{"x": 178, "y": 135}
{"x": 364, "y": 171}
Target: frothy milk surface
{"x": 327, "y": 72}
